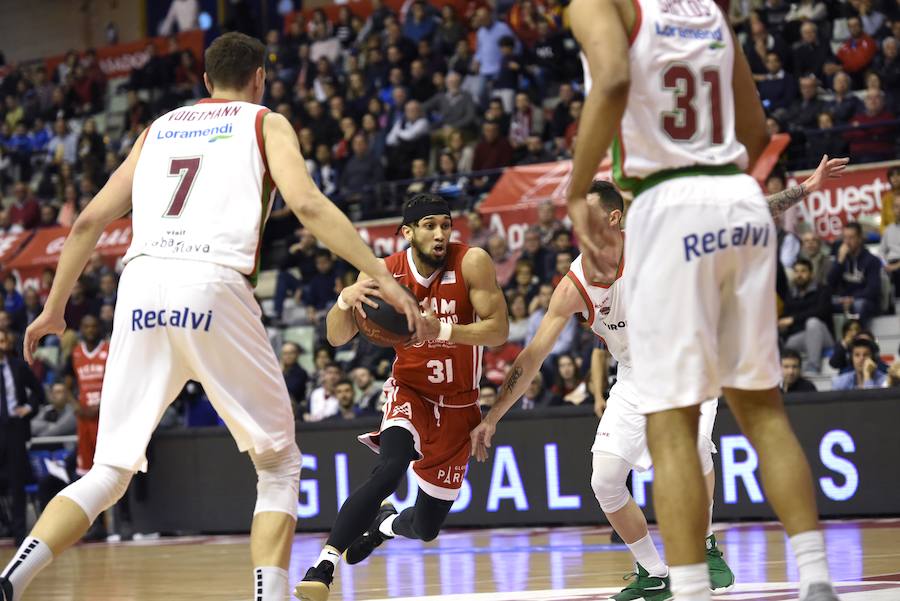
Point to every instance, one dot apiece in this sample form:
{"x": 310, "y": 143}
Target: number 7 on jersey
{"x": 185, "y": 169}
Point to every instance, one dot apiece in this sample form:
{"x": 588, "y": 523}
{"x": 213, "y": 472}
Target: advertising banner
{"x": 120, "y": 60}
{"x": 539, "y": 470}
{"x": 45, "y": 246}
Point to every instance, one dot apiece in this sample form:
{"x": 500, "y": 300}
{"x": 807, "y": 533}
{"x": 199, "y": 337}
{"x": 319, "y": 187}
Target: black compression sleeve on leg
{"x": 358, "y": 511}
{"x": 424, "y": 520}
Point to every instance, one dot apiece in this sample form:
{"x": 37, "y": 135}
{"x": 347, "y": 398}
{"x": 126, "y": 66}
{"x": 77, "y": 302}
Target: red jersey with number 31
{"x": 443, "y": 372}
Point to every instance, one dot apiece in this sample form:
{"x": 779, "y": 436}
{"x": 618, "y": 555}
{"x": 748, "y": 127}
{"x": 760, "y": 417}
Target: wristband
{"x": 341, "y": 303}
{"x": 446, "y": 330}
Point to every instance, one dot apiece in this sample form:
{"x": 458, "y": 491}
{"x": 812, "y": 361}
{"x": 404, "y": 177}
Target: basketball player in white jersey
{"x": 597, "y": 297}
{"x": 673, "y": 94}
{"x": 199, "y": 183}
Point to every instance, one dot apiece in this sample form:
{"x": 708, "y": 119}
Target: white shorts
{"x": 182, "y": 320}
{"x": 701, "y": 288}
{"x": 623, "y": 428}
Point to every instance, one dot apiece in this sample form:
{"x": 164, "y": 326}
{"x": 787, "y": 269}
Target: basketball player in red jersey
{"x": 88, "y": 366}
{"x": 431, "y": 400}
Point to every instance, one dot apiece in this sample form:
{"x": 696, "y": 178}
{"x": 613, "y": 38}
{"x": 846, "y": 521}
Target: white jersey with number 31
{"x": 201, "y": 188}
{"x": 680, "y": 110}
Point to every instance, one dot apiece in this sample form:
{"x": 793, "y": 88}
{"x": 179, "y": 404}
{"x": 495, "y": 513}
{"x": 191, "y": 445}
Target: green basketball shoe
{"x": 721, "y": 577}
{"x": 645, "y": 587}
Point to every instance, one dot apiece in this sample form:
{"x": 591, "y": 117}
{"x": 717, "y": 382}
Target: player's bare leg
{"x": 681, "y": 499}
{"x": 65, "y": 520}
{"x": 787, "y": 481}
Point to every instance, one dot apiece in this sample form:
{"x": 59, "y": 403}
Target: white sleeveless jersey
{"x": 201, "y": 187}
{"x": 604, "y": 312}
{"x": 680, "y": 110}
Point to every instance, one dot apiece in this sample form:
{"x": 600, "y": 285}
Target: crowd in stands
{"x": 428, "y": 99}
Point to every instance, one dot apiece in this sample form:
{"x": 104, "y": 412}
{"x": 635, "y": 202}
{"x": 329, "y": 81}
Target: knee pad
{"x": 608, "y": 478}
{"x": 706, "y": 448}
{"x": 278, "y": 480}
{"x": 99, "y": 489}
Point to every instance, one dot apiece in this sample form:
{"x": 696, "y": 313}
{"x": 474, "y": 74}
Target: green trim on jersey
{"x": 618, "y": 167}
{"x": 694, "y": 170}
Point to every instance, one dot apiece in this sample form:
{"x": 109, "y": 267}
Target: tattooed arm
{"x": 563, "y": 304}
{"x": 827, "y": 169}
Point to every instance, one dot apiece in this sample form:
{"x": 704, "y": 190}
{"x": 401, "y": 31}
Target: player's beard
{"x": 428, "y": 258}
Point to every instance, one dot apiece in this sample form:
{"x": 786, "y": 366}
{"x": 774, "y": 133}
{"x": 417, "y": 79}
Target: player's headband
{"x": 412, "y": 214}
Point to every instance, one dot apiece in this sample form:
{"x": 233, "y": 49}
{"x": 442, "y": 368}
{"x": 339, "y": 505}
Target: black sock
{"x": 360, "y": 509}
{"x": 423, "y": 521}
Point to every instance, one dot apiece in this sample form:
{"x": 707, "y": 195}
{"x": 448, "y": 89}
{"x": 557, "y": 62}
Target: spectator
{"x": 855, "y": 278}
{"x": 491, "y": 153}
{"x": 452, "y": 109}
{"x": 13, "y": 303}
{"x": 759, "y": 44}
{"x": 560, "y": 244}
{"x": 421, "y": 86}
{"x": 347, "y": 407}
{"x": 488, "y": 56}
{"x": 534, "y": 152}
{"x": 812, "y": 250}
{"x": 872, "y": 143}
{"x": 419, "y": 171}
{"x": 871, "y": 18}
{"x": 487, "y": 396}
{"x": 56, "y": 418}
{"x": 322, "y": 402}
{"x": 369, "y": 392}
{"x": 507, "y": 81}
{"x": 498, "y": 360}
{"x": 518, "y": 318}
{"x": 571, "y": 131}
{"x": 449, "y": 184}
{"x": 408, "y": 139}
{"x": 462, "y": 152}
{"x": 840, "y": 354}
{"x": 804, "y": 112}
{"x": 478, "y": 234}
{"x": 562, "y": 114}
{"x": 504, "y": 261}
{"x": 887, "y": 65}
{"x": 325, "y": 174}
{"x": 777, "y": 88}
{"x": 24, "y": 210}
{"x": 536, "y": 396}
{"x": 569, "y": 384}
{"x": 524, "y": 281}
{"x": 890, "y": 239}
{"x": 825, "y": 140}
{"x": 537, "y": 309}
{"x": 888, "y": 216}
{"x": 865, "y": 373}
{"x": 32, "y": 309}
{"x": 857, "y": 52}
{"x": 788, "y": 243}
{"x": 418, "y": 24}
{"x": 810, "y": 56}
{"x": 449, "y": 32}
{"x": 534, "y": 250}
{"x": 321, "y": 290}
{"x": 791, "y": 379}
{"x": 526, "y": 121}
{"x": 295, "y": 377}
{"x": 805, "y": 324}
{"x": 47, "y": 218}
{"x": 361, "y": 172}
{"x": 845, "y": 104}
{"x": 563, "y": 262}
{"x": 548, "y": 56}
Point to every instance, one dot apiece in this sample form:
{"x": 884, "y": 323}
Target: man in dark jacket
{"x": 362, "y": 172}
{"x": 20, "y": 396}
{"x": 791, "y": 380}
{"x": 805, "y": 325}
{"x": 855, "y": 278}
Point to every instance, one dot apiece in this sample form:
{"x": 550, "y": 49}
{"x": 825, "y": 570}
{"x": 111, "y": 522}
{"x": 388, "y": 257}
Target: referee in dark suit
{"x": 20, "y": 396}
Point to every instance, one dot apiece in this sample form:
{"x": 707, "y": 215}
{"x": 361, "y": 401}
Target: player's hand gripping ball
{"x": 384, "y": 326}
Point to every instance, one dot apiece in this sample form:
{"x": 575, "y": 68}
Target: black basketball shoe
{"x": 6, "y": 590}
{"x": 315, "y": 585}
{"x": 371, "y": 538}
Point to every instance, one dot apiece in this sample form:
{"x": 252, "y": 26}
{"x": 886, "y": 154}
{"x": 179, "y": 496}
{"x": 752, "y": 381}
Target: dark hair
{"x": 609, "y": 196}
{"x": 344, "y": 381}
{"x": 232, "y": 59}
{"x": 327, "y": 349}
{"x": 778, "y": 173}
{"x": 507, "y": 41}
{"x": 855, "y": 226}
{"x": 331, "y": 364}
{"x": 861, "y": 342}
{"x": 805, "y": 262}
{"x": 323, "y": 252}
{"x": 893, "y": 171}
{"x": 848, "y": 324}
{"x": 296, "y": 346}
{"x": 790, "y": 353}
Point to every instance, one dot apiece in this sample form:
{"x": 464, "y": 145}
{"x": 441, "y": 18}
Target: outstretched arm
{"x": 563, "y": 304}
{"x": 112, "y": 202}
{"x": 325, "y": 220}
{"x": 827, "y": 169}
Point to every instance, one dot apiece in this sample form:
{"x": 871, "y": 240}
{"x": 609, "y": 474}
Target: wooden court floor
{"x": 560, "y": 564}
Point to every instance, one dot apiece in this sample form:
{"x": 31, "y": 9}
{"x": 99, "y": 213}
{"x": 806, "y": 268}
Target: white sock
{"x": 645, "y": 553}
{"x": 690, "y": 583}
{"x": 809, "y": 549}
{"x": 331, "y": 554}
{"x": 387, "y": 526}
{"x": 270, "y": 584}
{"x": 709, "y": 530}
{"x": 32, "y": 557}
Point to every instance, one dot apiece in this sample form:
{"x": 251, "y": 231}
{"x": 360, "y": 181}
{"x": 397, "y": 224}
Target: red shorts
{"x": 87, "y": 445}
{"x": 440, "y": 434}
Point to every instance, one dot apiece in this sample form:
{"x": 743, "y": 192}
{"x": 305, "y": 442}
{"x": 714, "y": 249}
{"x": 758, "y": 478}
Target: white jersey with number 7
{"x": 680, "y": 110}
{"x": 185, "y": 204}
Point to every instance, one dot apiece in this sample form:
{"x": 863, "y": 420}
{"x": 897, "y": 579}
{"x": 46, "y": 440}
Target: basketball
{"x": 384, "y": 326}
